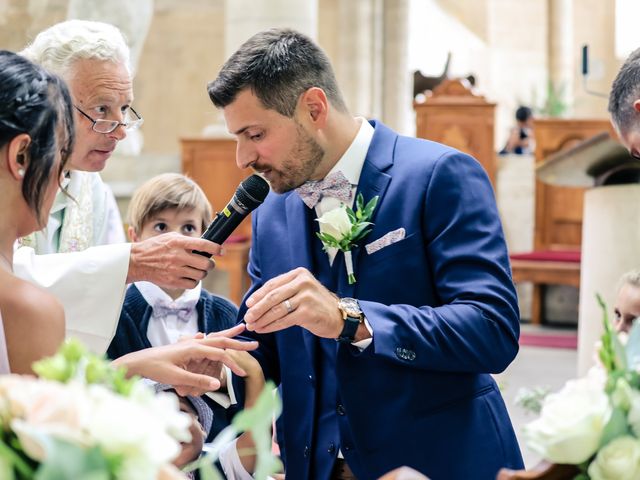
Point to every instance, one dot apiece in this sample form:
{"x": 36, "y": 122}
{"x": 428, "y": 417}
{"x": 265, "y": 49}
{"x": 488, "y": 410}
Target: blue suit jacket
{"x": 442, "y": 307}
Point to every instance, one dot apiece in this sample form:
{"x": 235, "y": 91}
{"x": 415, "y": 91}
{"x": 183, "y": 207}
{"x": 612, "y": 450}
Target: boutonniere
{"x": 341, "y": 228}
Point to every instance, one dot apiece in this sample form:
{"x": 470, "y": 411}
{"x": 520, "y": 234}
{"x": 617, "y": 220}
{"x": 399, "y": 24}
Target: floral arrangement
{"x": 594, "y": 422}
{"x": 84, "y": 419}
{"x": 341, "y": 228}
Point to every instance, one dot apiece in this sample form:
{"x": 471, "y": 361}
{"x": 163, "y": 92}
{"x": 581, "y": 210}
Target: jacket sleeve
{"x": 474, "y": 326}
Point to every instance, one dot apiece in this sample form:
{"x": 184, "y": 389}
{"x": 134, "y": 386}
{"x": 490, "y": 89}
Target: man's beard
{"x": 300, "y": 164}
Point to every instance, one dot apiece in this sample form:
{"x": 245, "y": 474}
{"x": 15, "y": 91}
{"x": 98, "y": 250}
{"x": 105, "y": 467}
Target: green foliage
{"x": 554, "y": 105}
{"x": 531, "y": 398}
{"x": 13, "y": 459}
{"x": 74, "y": 361}
{"x": 258, "y": 421}
{"x": 65, "y": 460}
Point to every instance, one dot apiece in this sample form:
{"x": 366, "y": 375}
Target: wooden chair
{"x": 542, "y": 471}
{"x": 211, "y": 163}
{"x": 555, "y": 259}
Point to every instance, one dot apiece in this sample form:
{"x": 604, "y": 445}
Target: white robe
{"x": 71, "y": 258}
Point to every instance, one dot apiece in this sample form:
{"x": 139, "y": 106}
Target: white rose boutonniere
{"x": 341, "y": 228}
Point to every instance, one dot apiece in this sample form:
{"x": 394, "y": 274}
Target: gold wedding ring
{"x": 287, "y": 305}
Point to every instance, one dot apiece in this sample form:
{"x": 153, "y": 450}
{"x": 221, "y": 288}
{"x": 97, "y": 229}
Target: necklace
{"x": 6, "y": 259}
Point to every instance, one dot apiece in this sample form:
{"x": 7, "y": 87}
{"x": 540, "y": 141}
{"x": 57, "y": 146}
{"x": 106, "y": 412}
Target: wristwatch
{"x": 352, "y": 315}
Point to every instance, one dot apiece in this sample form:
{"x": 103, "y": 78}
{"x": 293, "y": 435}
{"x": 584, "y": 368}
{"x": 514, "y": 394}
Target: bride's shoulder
{"x": 27, "y": 302}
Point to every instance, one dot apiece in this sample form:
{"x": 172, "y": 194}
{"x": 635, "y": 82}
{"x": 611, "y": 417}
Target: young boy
{"x": 152, "y": 316}
{"x": 627, "y": 307}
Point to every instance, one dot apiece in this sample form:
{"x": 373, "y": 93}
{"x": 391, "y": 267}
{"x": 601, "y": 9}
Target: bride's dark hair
{"x": 35, "y": 102}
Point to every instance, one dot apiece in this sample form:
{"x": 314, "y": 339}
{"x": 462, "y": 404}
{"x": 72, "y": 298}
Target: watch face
{"x": 351, "y": 307}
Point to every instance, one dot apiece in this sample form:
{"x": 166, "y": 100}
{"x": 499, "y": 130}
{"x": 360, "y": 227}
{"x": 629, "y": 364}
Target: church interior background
{"x": 519, "y": 52}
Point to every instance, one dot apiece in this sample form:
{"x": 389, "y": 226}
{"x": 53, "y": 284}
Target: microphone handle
{"x": 221, "y": 227}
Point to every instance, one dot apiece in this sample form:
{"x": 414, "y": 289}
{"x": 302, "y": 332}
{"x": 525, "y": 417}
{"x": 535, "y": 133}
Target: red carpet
{"x": 547, "y": 340}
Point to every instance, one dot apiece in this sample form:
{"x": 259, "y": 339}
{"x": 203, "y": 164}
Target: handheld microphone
{"x": 248, "y": 196}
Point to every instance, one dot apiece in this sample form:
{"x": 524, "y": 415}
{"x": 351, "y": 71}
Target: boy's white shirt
{"x": 164, "y": 330}
{"x": 231, "y": 465}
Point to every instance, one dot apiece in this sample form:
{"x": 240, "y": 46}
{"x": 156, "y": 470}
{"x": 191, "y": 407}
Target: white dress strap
{"x": 4, "y": 357}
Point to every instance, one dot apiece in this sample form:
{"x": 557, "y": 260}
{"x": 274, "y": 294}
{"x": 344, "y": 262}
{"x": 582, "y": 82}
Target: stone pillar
{"x": 397, "y": 87}
{"x": 561, "y": 49}
{"x": 358, "y": 66}
{"x": 372, "y": 63}
{"x": 244, "y": 18}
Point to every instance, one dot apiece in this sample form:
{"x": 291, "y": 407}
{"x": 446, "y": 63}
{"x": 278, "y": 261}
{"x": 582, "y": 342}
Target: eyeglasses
{"x": 108, "y": 126}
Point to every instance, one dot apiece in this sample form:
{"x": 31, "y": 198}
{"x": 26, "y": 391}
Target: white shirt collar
{"x": 152, "y": 293}
{"x": 352, "y": 161}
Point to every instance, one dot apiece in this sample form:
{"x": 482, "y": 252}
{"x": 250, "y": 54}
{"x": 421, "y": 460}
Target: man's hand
{"x": 171, "y": 363}
{"x": 311, "y": 306}
{"x": 169, "y": 262}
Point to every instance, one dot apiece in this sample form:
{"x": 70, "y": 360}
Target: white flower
{"x": 142, "y": 430}
{"x": 618, "y": 460}
{"x": 571, "y": 423}
{"x": 336, "y": 223}
{"x": 633, "y": 417}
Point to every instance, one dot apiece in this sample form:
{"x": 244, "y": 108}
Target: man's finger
{"x": 201, "y": 245}
{"x": 277, "y": 325}
{"x": 271, "y": 285}
{"x": 273, "y": 301}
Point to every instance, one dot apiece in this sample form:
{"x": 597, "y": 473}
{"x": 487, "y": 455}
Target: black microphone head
{"x": 252, "y": 191}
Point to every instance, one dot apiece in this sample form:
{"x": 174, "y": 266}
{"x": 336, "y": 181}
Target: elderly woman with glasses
{"x": 94, "y": 60}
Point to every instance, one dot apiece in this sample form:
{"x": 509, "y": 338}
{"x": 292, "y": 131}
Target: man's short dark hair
{"x": 523, "y": 114}
{"x": 624, "y": 91}
{"x": 278, "y": 65}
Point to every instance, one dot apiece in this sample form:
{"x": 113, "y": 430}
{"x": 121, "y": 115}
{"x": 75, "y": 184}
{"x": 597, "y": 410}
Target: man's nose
{"x": 245, "y": 154}
{"x": 119, "y": 133}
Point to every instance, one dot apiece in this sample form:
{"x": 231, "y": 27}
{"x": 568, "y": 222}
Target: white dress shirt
{"x": 167, "y": 329}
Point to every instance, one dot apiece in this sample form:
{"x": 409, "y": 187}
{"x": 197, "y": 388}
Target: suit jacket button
{"x": 340, "y": 409}
{"x": 305, "y": 453}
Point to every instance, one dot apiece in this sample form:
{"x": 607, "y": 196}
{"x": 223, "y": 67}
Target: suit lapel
{"x": 373, "y": 181}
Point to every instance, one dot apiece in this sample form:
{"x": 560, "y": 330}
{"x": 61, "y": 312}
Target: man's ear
{"x": 17, "y": 156}
{"x": 133, "y": 236}
{"x": 315, "y": 106}
{"x": 636, "y": 105}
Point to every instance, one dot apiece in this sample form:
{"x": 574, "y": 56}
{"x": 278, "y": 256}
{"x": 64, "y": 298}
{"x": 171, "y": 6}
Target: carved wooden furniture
{"x": 457, "y": 117}
{"x": 558, "y": 217}
{"x": 211, "y": 163}
{"x": 542, "y": 471}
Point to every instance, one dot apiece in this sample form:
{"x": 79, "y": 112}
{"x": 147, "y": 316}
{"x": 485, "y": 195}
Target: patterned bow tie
{"x": 334, "y": 185}
{"x": 182, "y": 310}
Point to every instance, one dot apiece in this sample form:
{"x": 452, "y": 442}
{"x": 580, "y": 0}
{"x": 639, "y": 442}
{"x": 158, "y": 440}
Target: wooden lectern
{"x": 556, "y": 258}
{"x": 457, "y": 117}
{"x": 211, "y": 163}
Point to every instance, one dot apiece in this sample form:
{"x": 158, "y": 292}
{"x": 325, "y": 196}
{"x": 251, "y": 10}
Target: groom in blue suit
{"x": 392, "y": 369}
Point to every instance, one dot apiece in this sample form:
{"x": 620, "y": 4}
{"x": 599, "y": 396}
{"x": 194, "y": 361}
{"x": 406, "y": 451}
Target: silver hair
{"x": 631, "y": 278}
{"x": 58, "y": 47}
